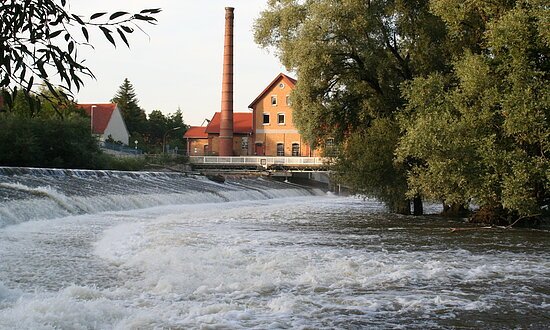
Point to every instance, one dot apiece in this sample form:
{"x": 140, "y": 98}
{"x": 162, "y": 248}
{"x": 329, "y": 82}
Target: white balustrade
{"x": 259, "y": 161}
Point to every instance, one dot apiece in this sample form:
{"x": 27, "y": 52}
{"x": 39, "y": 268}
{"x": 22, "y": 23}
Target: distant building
{"x": 106, "y": 121}
{"x": 197, "y": 141}
{"x": 205, "y": 140}
{"x": 268, "y": 131}
{"x": 273, "y": 125}
{"x": 242, "y": 132}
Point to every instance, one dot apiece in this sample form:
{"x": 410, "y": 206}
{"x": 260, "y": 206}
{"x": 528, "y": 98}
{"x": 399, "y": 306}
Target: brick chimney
{"x": 226, "y": 124}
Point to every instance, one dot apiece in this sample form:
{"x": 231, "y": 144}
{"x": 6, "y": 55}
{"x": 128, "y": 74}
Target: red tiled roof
{"x": 196, "y": 132}
{"x": 242, "y": 123}
{"x": 101, "y": 116}
{"x": 290, "y": 81}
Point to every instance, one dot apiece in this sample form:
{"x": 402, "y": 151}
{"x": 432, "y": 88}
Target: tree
{"x": 351, "y": 58}
{"x": 157, "y": 125}
{"x": 371, "y": 151}
{"x": 39, "y": 40}
{"x": 133, "y": 115}
{"x": 43, "y": 105}
{"x": 176, "y": 120}
{"x": 482, "y": 130}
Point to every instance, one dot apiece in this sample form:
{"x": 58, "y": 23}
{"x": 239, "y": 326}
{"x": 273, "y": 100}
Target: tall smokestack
{"x": 226, "y": 124}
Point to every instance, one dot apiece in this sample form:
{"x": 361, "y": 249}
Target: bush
{"x": 41, "y": 142}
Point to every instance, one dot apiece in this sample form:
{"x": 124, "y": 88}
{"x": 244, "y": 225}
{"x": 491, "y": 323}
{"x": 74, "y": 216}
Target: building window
{"x": 266, "y": 119}
{"x": 281, "y": 118}
{"x": 274, "y": 100}
{"x": 281, "y": 85}
{"x": 244, "y": 143}
{"x": 295, "y": 149}
{"x": 280, "y": 149}
{"x": 288, "y": 100}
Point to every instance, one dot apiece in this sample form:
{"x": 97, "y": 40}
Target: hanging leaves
{"x": 108, "y": 35}
{"x": 117, "y": 15}
{"x": 85, "y": 33}
{"x": 31, "y": 50}
{"x": 123, "y": 37}
{"x": 97, "y": 15}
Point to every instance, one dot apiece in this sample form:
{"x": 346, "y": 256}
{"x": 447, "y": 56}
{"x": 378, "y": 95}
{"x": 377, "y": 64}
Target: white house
{"x": 106, "y": 120}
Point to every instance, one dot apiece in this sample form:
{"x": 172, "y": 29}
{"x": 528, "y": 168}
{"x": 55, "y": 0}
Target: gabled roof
{"x": 101, "y": 116}
{"x": 289, "y": 81}
{"x": 242, "y": 123}
{"x": 196, "y": 132}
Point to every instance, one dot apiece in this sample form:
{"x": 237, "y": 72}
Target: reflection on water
{"x": 301, "y": 262}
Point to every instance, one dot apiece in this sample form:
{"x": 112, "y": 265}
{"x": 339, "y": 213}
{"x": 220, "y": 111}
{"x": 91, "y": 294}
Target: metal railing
{"x": 121, "y": 148}
{"x": 263, "y": 161}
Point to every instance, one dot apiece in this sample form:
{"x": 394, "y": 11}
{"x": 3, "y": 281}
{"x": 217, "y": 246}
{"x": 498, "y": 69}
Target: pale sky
{"x": 180, "y": 62}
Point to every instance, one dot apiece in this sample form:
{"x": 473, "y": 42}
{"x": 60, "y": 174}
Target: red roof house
{"x": 242, "y": 123}
{"x": 196, "y": 132}
{"x": 205, "y": 140}
{"x": 106, "y": 120}
{"x": 197, "y": 141}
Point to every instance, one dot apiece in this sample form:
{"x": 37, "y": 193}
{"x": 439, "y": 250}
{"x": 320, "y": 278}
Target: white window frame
{"x": 284, "y": 119}
{"x": 287, "y": 100}
{"x": 274, "y": 98}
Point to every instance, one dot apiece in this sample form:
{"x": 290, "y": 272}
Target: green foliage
{"x": 351, "y": 58}
{"x": 134, "y": 116}
{"x": 148, "y": 131}
{"x": 43, "y": 105}
{"x": 39, "y": 39}
{"x": 40, "y": 142}
{"x": 466, "y": 82}
{"x": 482, "y": 132}
{"x": 367, "y": 165}
{"x": 129, "y": 163}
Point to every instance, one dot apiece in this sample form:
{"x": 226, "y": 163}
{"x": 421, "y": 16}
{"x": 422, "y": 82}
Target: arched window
{"x": 280, "y": 149}
{"x": 295, "y": 149}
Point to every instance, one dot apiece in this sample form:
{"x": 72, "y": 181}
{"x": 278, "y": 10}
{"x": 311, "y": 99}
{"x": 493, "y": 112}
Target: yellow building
{"x": 274, "y": 133}
{"x": 268, "y": 131}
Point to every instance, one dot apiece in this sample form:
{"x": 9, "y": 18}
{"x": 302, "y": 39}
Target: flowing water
{"x": 115, "y": 250}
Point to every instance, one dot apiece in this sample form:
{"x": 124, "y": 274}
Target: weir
{"x": 37, "y": 193}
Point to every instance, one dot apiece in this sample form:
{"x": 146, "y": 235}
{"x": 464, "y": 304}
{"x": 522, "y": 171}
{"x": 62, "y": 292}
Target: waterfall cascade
{"x": 39, "y": 193}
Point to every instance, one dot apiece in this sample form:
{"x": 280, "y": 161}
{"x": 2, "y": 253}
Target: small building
{"x": 106, "y": 121}
{"x": 197, "y": 141}
{"x": 242, "y": 133}
{"x": 274, "y": 133}
{"x": 205, "y": 140}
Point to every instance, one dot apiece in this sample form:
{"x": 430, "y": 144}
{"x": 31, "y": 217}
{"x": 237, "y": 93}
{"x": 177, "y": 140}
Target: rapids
{"x": 119, "y": 250}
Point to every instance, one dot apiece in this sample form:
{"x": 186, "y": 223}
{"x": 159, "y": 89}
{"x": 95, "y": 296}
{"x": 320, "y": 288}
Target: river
{"x": 116, "y": 250}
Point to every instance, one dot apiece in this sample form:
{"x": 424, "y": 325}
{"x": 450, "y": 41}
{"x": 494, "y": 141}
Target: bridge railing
{"x": 259, "y": 161}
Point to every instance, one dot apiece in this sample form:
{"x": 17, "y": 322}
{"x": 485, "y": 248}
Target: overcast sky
{"x": 179, "y": 62}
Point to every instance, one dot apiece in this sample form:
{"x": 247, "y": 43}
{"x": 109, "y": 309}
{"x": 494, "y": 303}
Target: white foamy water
{"x": 303, "y": 262}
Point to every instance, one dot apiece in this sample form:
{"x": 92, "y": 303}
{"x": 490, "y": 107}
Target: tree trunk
{"x": 418, "y": 208}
